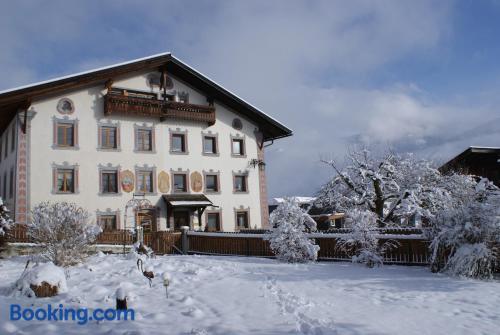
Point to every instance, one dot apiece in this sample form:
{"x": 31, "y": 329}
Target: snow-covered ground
{"x": 236, "y": 295}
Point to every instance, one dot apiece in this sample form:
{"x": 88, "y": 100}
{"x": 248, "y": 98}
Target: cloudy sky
{"x": 420, "y": 76}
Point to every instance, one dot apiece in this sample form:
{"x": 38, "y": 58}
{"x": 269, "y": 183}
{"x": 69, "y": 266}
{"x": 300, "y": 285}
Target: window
{"x": 238, "y": 147}
{"x": 211, "y": 183}
{"x": 242, "y": 220}
{"x": 107, "y": 222}
{"x": 109, "y": 137}
{"x": 240, "y": 183}
{"x": 178, "y": 143}
{"x": 183, "y": 97}
{"x": 180, "y": 182}
{"x": 144, "y": 140}
{"x": 65, "y": 134}
{"x": 145, "y": 181}
{"x": 109, "y": 182}
{"x": 209, "y": 145}
{"x": 11, "y": 185}
{"x": 13, "y": 140}
{"x": 213, "y": 221}
{"x": 65, "y": 181}
{"x": 6, "y": 151}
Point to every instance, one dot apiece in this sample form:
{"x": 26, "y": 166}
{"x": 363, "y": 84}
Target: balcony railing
{"x": 146, "y": 104}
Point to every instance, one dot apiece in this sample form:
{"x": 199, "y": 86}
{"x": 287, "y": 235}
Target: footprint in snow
{"x": 194, "y": 312}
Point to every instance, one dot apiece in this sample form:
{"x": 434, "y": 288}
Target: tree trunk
{"x": 379, "y": 203}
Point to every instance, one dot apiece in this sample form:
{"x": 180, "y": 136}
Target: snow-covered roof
{"x": 300, "y": 200}
{"x": 14, "y": 98}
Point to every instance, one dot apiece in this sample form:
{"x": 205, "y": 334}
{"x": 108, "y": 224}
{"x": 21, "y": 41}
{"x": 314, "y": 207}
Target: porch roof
{"x": 187, "y": 200}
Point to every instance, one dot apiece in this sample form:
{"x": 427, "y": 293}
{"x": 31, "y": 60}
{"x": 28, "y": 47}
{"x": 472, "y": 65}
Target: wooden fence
{"x": 412, "y": 249}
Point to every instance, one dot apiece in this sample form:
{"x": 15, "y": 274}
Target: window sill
{"x": 145, "y": 151}
{"x": 240, "y": 192}
{"x": 117, "y": 194}
{"x": 58, "y": 147}
{"x": 65, "y": 193}
{"x": 212, "y": 192}
{"x": 109, "y": 149}
{"x": 179, "y": 152}
{"x": 238, "y": 156}
{"x": 210, "y": 154}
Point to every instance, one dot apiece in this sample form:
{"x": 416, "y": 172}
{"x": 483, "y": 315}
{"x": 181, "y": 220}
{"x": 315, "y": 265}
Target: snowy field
{"x": 232, "y": 295}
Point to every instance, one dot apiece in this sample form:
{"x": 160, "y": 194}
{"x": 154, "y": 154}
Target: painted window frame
{"x": 144, "y": 127}
{"x": 239, "y": 211}
{"x": 66, "y": 121}
{"x": 65, "y": 166}
{"x": 109, "y": 213}
{"x": 214, "y": 211}
{"x": 185, "y": 173}
{"x": 215, "y": 137}
{"x": 242, "y": 139}
{"x": 109, "y": 124}
{"x": 184, "y": 134}
{"x": 109, "y": 168}
{"x": 211, "y": 173}
{"x": 150, "y": 169}
{"x": 240, "y": 174}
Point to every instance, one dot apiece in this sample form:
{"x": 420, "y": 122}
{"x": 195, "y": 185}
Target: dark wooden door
{"x": 147, "y": 220}
{"x": 181, "y": 218}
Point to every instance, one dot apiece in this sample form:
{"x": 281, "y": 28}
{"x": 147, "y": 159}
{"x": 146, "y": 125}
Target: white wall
{"x": 89, "y": 111}
{"x": 8, "y": 164}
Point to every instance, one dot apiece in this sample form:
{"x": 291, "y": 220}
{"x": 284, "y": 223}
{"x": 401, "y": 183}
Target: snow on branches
{"x": 63, "y": 230}
{"x": 362, "y": 242}
{"x": 5, "y": 221}
{"x": 466, "y": 232}
{"x": 394, "y": 187}
{"x": 288, "y": 238}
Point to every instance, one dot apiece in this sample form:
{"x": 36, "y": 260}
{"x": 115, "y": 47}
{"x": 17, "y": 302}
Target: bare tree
{"x": 63, "y": 230}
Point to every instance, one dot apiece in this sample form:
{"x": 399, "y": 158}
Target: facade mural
{"x": 163, "y": 182}
{"x": 127, "y": 179}
{"x": 196, "y": 181}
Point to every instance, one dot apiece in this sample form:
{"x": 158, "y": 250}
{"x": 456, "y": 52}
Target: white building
{"x": 152, "y": 129}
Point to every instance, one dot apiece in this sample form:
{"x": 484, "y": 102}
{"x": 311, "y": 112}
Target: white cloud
{"x": 306, "y": 63}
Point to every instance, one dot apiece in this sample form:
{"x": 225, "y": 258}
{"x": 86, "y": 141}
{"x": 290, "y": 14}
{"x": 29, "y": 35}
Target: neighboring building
{"x": 150, "y": 142}
{"x": 304, "y": 202}
{"x": 325, "y": 218}
{"x": 477, "y": 161}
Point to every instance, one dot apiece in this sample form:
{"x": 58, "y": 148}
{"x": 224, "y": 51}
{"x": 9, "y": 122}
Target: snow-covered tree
{"x": 394, "y": 187}
{"x": 5, "y": 221}
{"x": 466, "y": 232}
{"x": 63, "y": 230}
{"x": 288, "y": 238}
{"x": 362, "y": 242}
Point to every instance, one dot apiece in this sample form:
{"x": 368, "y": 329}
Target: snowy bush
{"x": 40, "y": 275}
{"x": 63, "y": 230}
{"x": 362, "y": 242}
{"x": 5, "y": 221}
{"x": 465, "y": 233}
{"x": 288, "y": 238}
{"x": 394, "y": 187}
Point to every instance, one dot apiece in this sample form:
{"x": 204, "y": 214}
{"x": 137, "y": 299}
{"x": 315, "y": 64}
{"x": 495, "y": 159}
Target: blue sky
{"x": 420, "y": 76}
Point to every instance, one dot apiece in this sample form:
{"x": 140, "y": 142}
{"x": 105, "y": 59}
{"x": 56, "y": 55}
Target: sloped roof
{"x": 13, "y": 99}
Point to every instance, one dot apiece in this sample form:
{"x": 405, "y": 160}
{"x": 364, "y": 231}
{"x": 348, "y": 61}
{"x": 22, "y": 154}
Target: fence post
{"x": 184, "y": 241}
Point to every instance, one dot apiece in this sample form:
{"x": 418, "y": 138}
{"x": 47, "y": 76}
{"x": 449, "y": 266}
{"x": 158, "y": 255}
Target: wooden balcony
{"x": 147, "y": 104}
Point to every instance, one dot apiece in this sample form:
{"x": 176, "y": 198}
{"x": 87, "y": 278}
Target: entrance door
{"x": 147, "y": 220}
{"x": 181, "y": 218}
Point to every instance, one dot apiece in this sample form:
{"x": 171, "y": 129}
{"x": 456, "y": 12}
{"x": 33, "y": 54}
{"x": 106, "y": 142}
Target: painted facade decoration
{"x": 127, "y": 181}
{"x": 163, "y": 182}
{"x": 196, "y": 181}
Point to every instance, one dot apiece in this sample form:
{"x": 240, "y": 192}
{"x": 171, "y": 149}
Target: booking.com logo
{"x": 61, "y": 313}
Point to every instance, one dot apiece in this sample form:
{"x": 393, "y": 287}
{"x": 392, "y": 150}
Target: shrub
{"x": 288, "y": 238}
{"x": 63, "y": 230}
